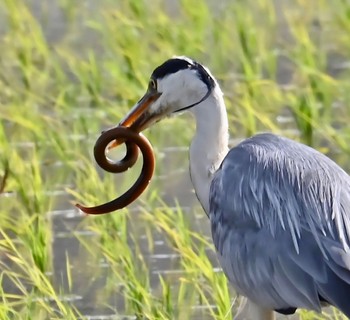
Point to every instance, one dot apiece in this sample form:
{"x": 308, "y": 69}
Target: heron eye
{"x": 152, "y": 84}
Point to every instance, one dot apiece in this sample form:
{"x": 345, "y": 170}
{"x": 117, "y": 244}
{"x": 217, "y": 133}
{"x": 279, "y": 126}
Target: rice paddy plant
{"x": 310, "y": 53}
{"x": 31, "y": 292}
{"x": 26, "y": 215}
{"x": 199, "y": 276}
{"x": 130, "y": 273}
{"x": 70, "y": 69}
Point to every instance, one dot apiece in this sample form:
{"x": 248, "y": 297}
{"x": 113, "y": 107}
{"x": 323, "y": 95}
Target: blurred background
{"x": 69, "y": 69}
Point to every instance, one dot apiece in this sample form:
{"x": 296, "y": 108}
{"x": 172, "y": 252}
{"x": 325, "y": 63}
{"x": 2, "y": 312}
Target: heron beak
{"x": 139, "y": 117}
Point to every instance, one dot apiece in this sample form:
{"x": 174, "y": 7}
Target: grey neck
{"x": 209, "y": 145}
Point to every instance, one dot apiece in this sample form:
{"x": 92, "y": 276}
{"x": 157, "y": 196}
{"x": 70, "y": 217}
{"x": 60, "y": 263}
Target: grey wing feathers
{"x": 280, "y": 215}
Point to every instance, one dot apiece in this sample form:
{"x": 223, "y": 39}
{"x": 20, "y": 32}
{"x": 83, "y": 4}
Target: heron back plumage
{"x": 280, "y": 215}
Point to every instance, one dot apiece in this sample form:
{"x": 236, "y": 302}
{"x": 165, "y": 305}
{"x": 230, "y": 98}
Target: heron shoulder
{"x": 279, "y": 154}
{"x": 274, "y": 183}
{"x": 280, "y": 221}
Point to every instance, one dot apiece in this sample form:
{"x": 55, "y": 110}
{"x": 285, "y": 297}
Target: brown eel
{"x": 134, "y": 141}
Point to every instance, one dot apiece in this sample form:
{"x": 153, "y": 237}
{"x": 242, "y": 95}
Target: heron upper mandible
{"x": 279, "y": 210}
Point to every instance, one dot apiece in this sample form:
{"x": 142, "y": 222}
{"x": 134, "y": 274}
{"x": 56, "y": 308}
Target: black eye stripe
{"x": 170, "y": 66}
{"x": 176, "y": 64}
{"x": 204, "y": 75}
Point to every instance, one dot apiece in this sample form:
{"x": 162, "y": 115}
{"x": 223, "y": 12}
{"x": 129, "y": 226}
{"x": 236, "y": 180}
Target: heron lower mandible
{"x": 279, "y": 210}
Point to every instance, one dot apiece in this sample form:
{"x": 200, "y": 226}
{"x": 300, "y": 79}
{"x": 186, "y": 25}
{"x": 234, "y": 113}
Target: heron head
{"x": 177, "y": 85}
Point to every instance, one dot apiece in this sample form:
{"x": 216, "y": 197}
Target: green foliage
{"x": 283, "y": 66}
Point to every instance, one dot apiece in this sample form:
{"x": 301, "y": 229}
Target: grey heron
{"x": 279, "y": 210}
